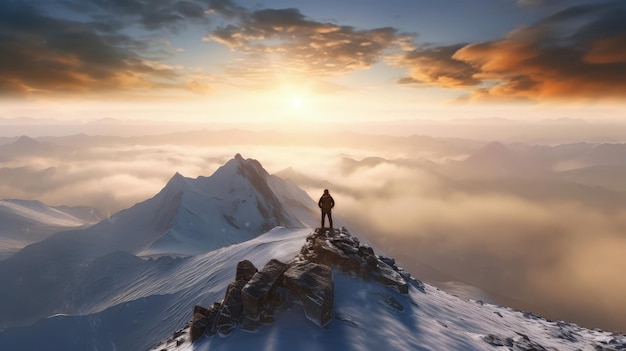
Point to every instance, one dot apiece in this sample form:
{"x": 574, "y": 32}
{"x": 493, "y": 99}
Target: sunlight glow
{"x": 297, "y": 102}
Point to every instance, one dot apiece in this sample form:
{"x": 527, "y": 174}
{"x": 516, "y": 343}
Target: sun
{"x": 297, "y": 102}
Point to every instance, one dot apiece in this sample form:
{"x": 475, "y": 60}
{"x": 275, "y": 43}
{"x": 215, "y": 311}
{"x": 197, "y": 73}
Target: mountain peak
{"x": 25, "y": 141}
{"x": 236, "y": 203}
{"x": 177, "y": 183}
{"x": 495, "y": 146}
{"x": 494, "y": 151}
{"x": 177, "y": 176}
{"x": 26, "y": 138}
{"x": 248, "y": 168}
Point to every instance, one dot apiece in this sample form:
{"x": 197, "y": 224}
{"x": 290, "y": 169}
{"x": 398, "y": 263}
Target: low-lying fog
{"x": 541, "y": 228}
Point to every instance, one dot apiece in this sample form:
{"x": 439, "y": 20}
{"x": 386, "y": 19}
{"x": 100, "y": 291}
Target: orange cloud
{"x": 576, "y": 53}
{"x": 531, "y": 71}
{"x": 608, "y": 50}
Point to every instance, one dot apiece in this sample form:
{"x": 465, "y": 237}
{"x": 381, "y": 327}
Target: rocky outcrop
{"x": 312, "y": 285}
{"x": 338, "y": 249}
{"x": 255, "y": 296}
{"x": 257, "y": 293}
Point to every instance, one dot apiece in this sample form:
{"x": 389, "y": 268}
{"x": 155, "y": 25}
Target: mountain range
{"x": 130, "y": 281}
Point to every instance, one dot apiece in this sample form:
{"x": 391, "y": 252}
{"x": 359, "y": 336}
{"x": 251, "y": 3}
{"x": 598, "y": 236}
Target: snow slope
{"x": 122, "y": 302}
{"x": 366, "y": 316}
{"x": 23, "y": 222}
{"x": 187, "y": 217}
{"x": 370, "y": 316}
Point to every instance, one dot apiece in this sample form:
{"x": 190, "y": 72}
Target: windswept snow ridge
{"x": 368, "y": 315}
{"x": 121, "y": 302}
{"x": 23, "y": 222}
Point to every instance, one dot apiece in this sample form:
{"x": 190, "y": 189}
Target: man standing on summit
{"x": 326, "y": 203}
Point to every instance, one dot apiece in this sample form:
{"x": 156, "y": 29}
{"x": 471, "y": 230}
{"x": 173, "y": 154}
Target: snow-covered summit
{"x": 238, "y": 202}
{"x": 187, "y": 217}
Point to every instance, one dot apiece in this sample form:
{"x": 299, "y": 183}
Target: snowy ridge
{"x": 239, "y": 201}
{"x": 122, "y": 302}
{"x": 188, "y": 217}
{"x": 371, "y": 316}
{"x": 23, "y": 222}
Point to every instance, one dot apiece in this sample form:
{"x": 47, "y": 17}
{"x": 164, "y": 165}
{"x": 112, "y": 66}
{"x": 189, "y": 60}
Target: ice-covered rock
{"x": 312, "y": 285}
{"x": 254, "y": 297}
{"x": 258, "y": 291}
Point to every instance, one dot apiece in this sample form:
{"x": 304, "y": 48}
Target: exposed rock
{"x": 404, "y": 274}
{"x": 231, "y": 309}
{"x": 201, "y": 322}
{"x": 495, "y": 340}
{"x": 365, "y": 251}
{"x": 531, "y": 315}
{"x": 198, "y": 323}
{"x": 612, "y": 345}
{"x": 212, "y": 317}
{"x": 312, "y": 285}
{"x": 346, "y": 253}
{"x": 322, "y": 251}
{"x": 245, "y": 270}
{"x": 525, "y": 344}
{"x": 255, "y": 296}
{"x": 257, "y": 291}
{"x": 387, "y": 276}
{"x": 388, "y": 261}
{"x": 419, "y": 285}
{"x": 520, "y": 343}
{"x": 566, "y": 332}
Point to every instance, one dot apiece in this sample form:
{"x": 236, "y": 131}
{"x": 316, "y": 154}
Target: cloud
{"x": 172, "y": 15}
{"x": 575, "y": 53}
{"x": 109, "y": 176}
{"x": 537, "y": 244}
{"x": 436, "y": 66}
{"x": 42, "y": 55}
{"x": 226, "y": 8}
{"x": 539, "y": 253}
{"x": 279, "y": 40}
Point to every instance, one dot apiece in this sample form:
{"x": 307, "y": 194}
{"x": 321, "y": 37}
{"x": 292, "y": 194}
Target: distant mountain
{"x": 610, "y": 177}
{"x": 23, "y": 222}
{"x": 6, "y": 140}
{"x": 188, "y": 216}
{"x": 498, "y": 160}
{"x": 27, "y": 146}
{"x": 605, "y": 154}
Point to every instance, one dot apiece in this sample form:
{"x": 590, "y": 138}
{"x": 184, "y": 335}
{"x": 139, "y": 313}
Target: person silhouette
{"x": 326, "y": 203}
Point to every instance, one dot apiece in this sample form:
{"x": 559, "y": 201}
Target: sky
{"x": 114, "y": 67}
{"x": 290, "y": 62}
